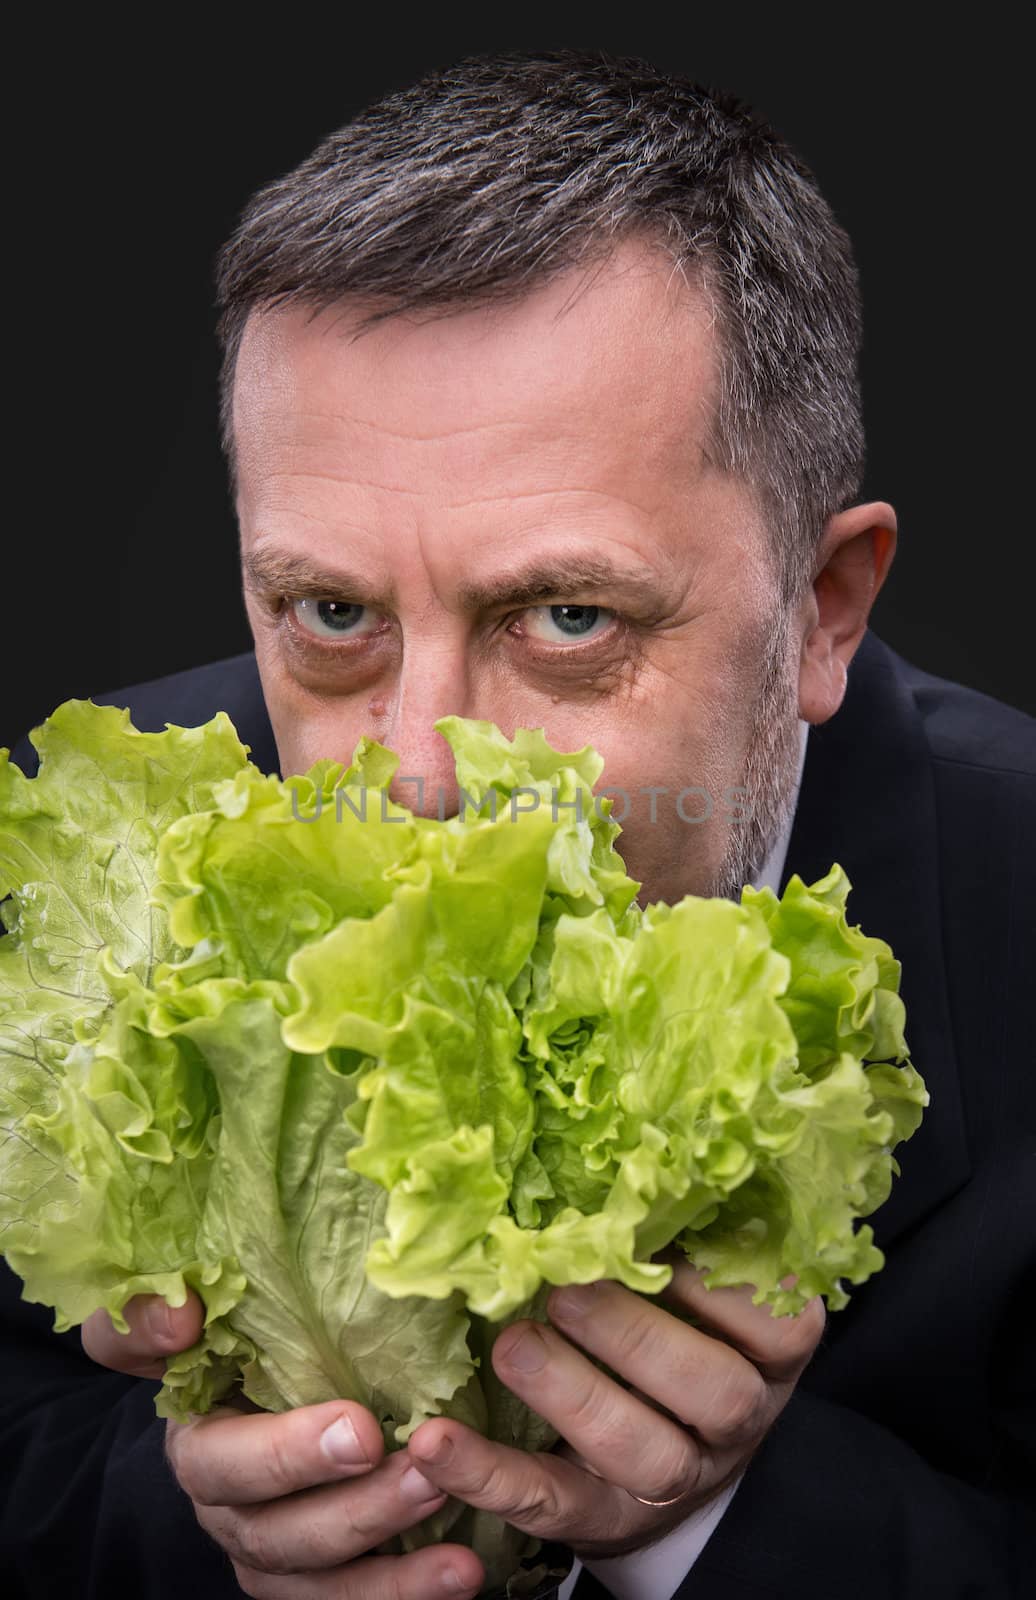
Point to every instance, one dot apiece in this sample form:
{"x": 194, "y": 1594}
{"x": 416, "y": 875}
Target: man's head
{"x": 540, "y": 400}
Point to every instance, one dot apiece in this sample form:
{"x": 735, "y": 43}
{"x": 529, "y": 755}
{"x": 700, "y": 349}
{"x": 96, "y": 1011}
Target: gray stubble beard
{"x": 770, "y": 770}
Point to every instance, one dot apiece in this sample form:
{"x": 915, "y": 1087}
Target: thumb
{"x": 157, "y": 1330}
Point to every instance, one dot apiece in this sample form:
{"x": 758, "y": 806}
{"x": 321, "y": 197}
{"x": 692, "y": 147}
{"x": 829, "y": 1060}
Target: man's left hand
{"x": 698, "y": 1406}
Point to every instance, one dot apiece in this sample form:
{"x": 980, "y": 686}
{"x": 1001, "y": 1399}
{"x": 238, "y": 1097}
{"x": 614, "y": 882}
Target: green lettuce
{"x": 370, "y": 1082}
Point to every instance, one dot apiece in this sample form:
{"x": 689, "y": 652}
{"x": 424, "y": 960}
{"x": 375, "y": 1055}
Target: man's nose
{"x": 432, "y": 683}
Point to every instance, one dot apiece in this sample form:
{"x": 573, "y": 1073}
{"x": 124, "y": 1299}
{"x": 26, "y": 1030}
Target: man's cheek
{"x": 304, "y": 732}
{"x": 672, "y": 856}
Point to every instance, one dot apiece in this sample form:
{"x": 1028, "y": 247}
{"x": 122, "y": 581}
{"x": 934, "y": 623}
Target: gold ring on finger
{"x": 643, "y": 1502}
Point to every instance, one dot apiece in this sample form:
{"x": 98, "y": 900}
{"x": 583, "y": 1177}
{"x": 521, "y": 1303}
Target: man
{"x": 540, "y": 403}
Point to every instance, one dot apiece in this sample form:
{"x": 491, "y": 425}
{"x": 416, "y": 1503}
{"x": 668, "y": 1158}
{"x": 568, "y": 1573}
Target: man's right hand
{"x": 295, "y": 1498}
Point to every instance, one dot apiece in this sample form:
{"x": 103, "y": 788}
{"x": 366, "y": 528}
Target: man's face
{"x": 507, "y": 514}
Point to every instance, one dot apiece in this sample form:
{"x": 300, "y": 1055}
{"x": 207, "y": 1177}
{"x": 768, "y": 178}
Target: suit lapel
{"x": 868, "y": 801}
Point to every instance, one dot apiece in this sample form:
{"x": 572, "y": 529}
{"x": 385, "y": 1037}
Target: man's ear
{"x": 852, "y": 562}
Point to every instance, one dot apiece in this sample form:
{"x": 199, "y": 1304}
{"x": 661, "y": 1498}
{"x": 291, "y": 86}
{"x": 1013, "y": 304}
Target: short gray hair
{"x": 484, "y": 180}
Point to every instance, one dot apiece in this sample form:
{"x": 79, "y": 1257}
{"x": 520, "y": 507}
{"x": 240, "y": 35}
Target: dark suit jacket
{"x": 904, "y": 1464}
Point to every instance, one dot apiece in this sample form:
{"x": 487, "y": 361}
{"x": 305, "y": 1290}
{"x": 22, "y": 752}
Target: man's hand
{"x": 296, "y": 1499}
{"x": 698, "y": 1407}
{"x": 268, "y": 1489}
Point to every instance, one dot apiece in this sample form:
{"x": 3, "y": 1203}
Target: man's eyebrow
{"x": 298, "y": 575}
{"x": 562, "y": 578}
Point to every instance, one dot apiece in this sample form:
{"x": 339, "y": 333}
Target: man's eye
{"x": 566, "y": 624}
{"x": 334, "y": 619}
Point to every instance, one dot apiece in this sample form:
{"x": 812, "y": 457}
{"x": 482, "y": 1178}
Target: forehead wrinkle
{"x": 336, "y": 417}
{"x": 342, "y": 480}
{"x": 379, "y": 426}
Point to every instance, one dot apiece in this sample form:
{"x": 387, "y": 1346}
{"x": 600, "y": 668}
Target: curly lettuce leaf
{"x": 285, "y": 1205}
{"x": 78, "y": 848}
{"x": 670, "y": 1105}
{"x": 371, "y": 1082}
{"x": 843, "y": 990}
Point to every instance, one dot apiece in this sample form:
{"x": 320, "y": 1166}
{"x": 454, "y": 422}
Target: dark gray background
{"x": 129, "y": 176}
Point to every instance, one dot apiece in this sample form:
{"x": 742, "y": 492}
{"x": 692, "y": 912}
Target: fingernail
{"x": 158, "y": 1322}
{"x": 529, "y": 1354}
{"x": 341, "y": 1443}
{"x": 574, "y": 1300}
{"x": 452, "y": 1582}
{"x": 440, "y": 1452}
{"x": 413, "y": 1485}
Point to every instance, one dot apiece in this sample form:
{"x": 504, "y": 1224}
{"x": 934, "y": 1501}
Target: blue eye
{"x": 332, "y": 619}
{"x": 562, "y": 624}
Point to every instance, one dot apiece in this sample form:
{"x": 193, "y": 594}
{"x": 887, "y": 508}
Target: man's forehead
{"x": 569, "y": 425}
{"x": 622, "y": 348}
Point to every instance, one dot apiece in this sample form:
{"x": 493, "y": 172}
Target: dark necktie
{"x": 588, "y": 1588}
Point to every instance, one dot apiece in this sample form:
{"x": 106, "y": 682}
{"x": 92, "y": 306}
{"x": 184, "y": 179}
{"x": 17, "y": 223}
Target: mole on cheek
{"x": 376, "y": 706}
